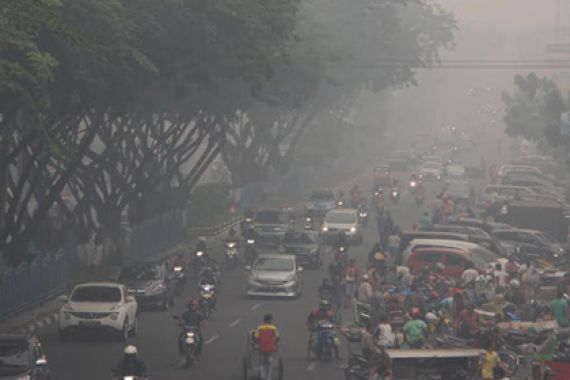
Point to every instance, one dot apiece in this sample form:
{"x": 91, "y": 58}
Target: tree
{"x": 533, "y": 109}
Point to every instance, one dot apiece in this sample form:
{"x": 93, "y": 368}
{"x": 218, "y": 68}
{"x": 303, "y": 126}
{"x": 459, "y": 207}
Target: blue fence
{"x": 32, "y": 283}
{"x": 158, "y": 234}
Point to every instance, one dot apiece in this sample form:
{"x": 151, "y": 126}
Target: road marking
{"x": 235, "y": 323}
{"x": 212, "y": 339}
{"x": 312, "y": 366}
{"x": 256, "y": 306}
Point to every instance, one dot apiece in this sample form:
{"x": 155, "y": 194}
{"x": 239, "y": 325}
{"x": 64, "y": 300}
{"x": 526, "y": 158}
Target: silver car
{"x": 342, "y": 220}
{"x": 275, "y": 275}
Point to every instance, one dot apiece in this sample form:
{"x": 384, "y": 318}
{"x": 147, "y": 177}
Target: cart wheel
{"x": 244, "y": 368}
{"x": 280, "y": 370}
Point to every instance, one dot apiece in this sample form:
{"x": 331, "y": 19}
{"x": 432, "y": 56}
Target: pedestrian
{"x": 365, "y": 291}
{"x": 425, "y": 221}
{"x": 490, "y": 361}
{"x": 559, "y": 308}
{"x": 351, "y": 275}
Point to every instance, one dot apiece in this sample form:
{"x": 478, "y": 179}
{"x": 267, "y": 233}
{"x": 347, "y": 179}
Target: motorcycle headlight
{"x": 325, "y": 228}
{"x": 556, "y": 255}
{"x": 413, "y": 184}
{"x": 363, "y": 214}
{"x": 190, "y": 334}
{"x": 178, "y": 269}
{"x": 251, "y": 241}
{"x": 248, "y": 220}
{"x": 231, "y": 245}
{"x": 308, "y": 220}
{"x": 199, "y": 253}
{"x": 395, "y": 193}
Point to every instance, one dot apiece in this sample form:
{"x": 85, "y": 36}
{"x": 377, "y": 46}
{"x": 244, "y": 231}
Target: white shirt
{"x": 385, "y": 335}
{"x": 365, "y": 292}
{"x": 469, "y": 275}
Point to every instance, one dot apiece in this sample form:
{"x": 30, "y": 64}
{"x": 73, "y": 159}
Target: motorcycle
{"x": 198, "y": 262}
{"x": 250, "y": 252}
{"x": 363, "y": 214}
{"x": 188, "y": 342}
{"x": 340, "y": 203}
{"x": 129, "y": 377}
{"x": 413, "y": 185}
{"x": 207, "y": 300}
{"x": 419, "y": 196}
{"x": 395, "y": 195}
{"x": 231, "y": 254}
{"x": 342, "y": 255}
{"x": 357, "y": 368}
{"x": 325, "y": 341}
{"x": 178, "y": 278}
{"x": 309, "y": 223}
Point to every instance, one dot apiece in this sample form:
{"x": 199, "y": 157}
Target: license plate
{"x": 189, "y": 340}
{"x": 89, "y": 323}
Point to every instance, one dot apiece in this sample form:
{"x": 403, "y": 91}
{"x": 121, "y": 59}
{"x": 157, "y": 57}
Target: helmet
{"x": 439, "y": 267}
{"x": 130, "y": 350}
{"x": 515, "y": 284}
{"x": 365, "y": 276}
{"x": 415, "y": 312}
{"x": 431, "y": 317}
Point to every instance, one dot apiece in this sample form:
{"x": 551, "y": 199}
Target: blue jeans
{"x": 265, "y": 365}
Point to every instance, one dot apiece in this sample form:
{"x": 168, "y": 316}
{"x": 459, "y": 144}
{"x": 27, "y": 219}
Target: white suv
{"x": 342, "y": 220}
{"x": 99, "y": 306}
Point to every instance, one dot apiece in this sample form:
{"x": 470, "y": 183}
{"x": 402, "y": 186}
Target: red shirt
{"x": 267, "y": 336}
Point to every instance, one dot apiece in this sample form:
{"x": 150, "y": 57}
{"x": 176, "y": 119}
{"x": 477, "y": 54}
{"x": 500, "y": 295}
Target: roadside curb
{"x": 39, "y": 323}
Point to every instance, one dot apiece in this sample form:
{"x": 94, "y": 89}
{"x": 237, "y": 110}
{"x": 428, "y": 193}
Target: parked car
{"x": 431, "y": 170}
{"x": 275, "y": 275}
{"x": 270, "y": 226}
{"x": 534, "y": 243}
{"x": 321, "y": 201}
{"x": 304, "y": 245}
{"x": 22, "y": 357}
{"x": 345, "y": 220}
{"x": 502, "y": 193}
{"x": 455, "y": 255}
{"x": 148, "y": 282}
{"x": 475, "y": 235}
{"x": 486, "y": 226}
{"x": 99, "y": 306}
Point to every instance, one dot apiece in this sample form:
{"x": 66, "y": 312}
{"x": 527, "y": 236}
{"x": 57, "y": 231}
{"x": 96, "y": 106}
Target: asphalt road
{"x": 225, "y": 333}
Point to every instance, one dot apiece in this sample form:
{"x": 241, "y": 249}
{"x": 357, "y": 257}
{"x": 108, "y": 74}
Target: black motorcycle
{"x": 207, "y": 300}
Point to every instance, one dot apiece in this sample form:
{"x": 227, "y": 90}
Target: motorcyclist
{"x": 309, "y": 218}
{"x": 377, "y": 258}
{"x": 414, "y": 181}
{"x": 415, "y": 330}
{"x": 247, "y": 221}
{"x": 232, "y": 236}
{"x": 192, "y": 317}
{"x": 323, "y": 312}
{"x": 130, "y": 365}
{"x": 179, "y": 260}
{"x": 341, "y": 244}
{"x": 326, "y": 290}
{"x": 355, "y": 196}
{"x": 340, "y": 201}
{"x": 209, "y": 275}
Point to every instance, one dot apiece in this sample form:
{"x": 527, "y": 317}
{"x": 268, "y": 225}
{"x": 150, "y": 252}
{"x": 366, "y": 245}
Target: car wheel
{"x": 124, "y": 333}
{"x": 135, "y": 328}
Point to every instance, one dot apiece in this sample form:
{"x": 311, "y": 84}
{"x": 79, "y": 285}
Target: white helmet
{"x": 130, "y": 350}
{"x": 515, "y": 284}
{"x": 431, "y": 317}
{"x": 202, "y": 239}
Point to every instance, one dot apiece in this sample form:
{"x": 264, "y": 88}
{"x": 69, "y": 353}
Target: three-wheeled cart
{"x": 251, "y": 361}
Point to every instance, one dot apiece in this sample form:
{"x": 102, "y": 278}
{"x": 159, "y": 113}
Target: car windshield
{"x": 269, "y": 217}
{"x": 341, "y": 217}
{"x": 274, "y": 264}
{"x": 14, "y": 357}
{"x": 546, "y": 238}
{"x": 457, "y": 187}
{"x": 482, "y": 256}
{"x": 96, "y": 294}
{"x": 139, "y": 273}
{"x": 298, "y": 238}
{"x": 322, "y": 196}
{"x": 431, "y": 165}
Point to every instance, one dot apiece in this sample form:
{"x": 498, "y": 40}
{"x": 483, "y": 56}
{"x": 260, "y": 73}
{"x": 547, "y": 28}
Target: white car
{"x": 275, "y": 275}
{"x": 103, "y": 306}
{"x": 431, "y": 170}
{"x": 342, "y": 220}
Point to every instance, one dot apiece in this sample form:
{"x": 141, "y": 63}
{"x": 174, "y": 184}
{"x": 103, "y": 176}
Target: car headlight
{"x": 363, "y": 214}
{"x": 352, "y": 229}
{"x": 308, "y": 220}
{"x": 114, "y": 316}
{"x": 251, "y": 241}
{"x": 325, "y": 228}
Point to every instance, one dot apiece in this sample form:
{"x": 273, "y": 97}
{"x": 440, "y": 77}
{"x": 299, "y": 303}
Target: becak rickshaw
{"x": 251, "y": 368}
